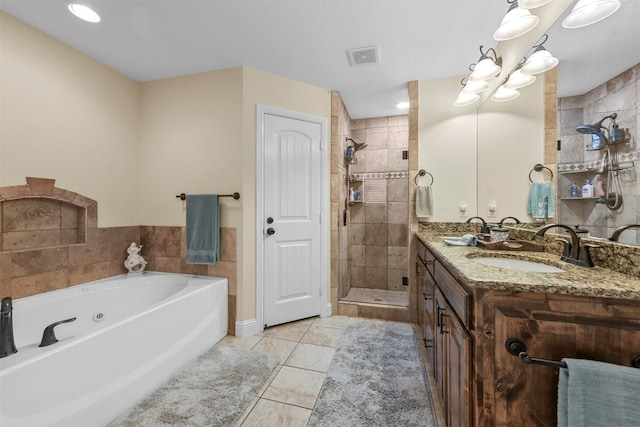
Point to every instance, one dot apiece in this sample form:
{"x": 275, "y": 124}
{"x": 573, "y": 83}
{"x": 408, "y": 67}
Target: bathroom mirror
{"x": 496, "y": 135}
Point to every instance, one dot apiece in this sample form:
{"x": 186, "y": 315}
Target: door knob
{"x": 271, "y": 231}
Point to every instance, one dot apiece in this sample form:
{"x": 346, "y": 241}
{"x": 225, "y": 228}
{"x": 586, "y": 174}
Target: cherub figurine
{"x": 134, "y": 262}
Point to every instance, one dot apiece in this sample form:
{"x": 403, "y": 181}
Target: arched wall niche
{"x": 39, "y": 215}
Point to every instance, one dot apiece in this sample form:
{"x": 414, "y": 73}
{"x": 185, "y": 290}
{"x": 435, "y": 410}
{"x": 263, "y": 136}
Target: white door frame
{"x": 325, "y": 287}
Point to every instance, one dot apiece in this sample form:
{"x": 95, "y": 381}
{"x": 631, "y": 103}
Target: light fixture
{"x": 516, "y": 22}
{"x": 540, "y": 60}
{"x": 532, "y": 4}
{"x": 517, "y": 79}
{"x": 486, "y": 67}
{"x": 83, "y": 12}
{"x": 474, "y": 86}
{"x": 402, "y": 105}
{"x": 466, "y": 98}
{"x": 504, "y": 94}
{"x": 587, "y": 12}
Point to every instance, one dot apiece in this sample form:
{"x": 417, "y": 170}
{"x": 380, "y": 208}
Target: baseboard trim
{"x": 246, "y": 328}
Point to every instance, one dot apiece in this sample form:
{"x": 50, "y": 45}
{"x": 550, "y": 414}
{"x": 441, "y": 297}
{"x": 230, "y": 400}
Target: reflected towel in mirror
{"x": 537, "y": 205}
{"x": 424, "y": 201}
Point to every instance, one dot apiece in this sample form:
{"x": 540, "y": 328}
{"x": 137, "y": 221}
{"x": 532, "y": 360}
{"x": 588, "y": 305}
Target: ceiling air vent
{"x": 363, "y": 55}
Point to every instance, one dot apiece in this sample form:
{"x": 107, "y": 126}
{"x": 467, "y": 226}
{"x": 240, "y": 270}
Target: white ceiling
{"x": 307, "y": 40}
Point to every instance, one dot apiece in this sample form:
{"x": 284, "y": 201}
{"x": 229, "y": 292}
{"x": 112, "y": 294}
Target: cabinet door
{"x": 440, "y": 351}
{"x": 429, "y": 318}
{"x": 420, "y": 273}
{"x": 458, "y": 372}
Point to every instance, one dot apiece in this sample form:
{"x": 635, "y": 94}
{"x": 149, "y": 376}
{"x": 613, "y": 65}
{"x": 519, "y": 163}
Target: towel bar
{"x": 518, "y": 348}
{"x": 422, "y": 172}
{"x": 236, "y": 196}
{"x": 538, "y": 168}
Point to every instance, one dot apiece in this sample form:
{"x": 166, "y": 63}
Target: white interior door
{"x": 292, "y": 228}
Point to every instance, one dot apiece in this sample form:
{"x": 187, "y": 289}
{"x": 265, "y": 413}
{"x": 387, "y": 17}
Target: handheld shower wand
{"x": 598, "y": 136}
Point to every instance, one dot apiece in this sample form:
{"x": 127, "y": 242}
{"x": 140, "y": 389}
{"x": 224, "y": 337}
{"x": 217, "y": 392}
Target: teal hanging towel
{"x": 203, "y": 229}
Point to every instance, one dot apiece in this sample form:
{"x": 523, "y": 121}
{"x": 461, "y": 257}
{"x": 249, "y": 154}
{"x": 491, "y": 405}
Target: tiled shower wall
{"x": 341, "y": 127}
{"x": 378, "y": 231}
{"x": 26, "y": 271}
{"x": 619, "y": 95}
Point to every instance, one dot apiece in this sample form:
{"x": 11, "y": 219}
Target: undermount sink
{"x": 518, "y": 264}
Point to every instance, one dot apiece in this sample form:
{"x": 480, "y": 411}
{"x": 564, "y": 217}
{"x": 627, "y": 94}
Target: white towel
{"x": 424, "y": 201}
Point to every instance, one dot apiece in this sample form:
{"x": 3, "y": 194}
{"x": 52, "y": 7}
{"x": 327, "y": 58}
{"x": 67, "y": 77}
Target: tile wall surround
{"x": 25, "y": 272}
{"x": 619, "y": 95}
{"x": 379, "y": 226}
{"x": 341, "y": 253}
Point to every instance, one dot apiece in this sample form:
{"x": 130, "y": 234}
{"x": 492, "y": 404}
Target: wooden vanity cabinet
{"x": 480, "y": 384}
{"x": 553, "y": 326}
{"x": 444, "y": 323}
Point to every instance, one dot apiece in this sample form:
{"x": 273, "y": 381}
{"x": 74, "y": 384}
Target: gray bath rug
{"x": 213, "y": 390}
{"x": 376, "y": 378}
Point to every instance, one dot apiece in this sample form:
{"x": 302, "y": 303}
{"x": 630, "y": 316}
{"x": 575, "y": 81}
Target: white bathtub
{"x": 131, "y": 334}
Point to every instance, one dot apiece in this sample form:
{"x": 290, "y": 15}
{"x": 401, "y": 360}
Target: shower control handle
{"x": 271, "y": 231}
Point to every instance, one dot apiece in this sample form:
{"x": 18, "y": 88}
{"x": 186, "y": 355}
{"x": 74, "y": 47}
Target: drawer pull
{"x": 441, "y": 317}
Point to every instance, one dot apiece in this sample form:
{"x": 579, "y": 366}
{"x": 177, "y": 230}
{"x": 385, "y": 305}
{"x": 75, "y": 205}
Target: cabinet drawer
{"x": 458, "y": 297}
{"x": 426, "y": 257}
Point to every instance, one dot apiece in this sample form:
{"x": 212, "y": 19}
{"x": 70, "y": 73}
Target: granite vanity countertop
{"x": 575, "y": 280}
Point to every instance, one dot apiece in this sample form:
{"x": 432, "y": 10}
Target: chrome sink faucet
{"x": 616, "y": 234}
{"x": 485, "y": 228}
{"x": 573, "y": 253}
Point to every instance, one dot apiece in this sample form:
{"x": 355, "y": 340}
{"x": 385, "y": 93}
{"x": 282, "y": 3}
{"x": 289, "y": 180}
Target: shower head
{"x": 595, "y": 128}
{"x": 597, "y": 131}
{"x": 588, "y": 129}
{"x": 357, "y": 146}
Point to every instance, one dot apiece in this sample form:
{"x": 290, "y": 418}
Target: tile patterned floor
{"x": 305, "y": 349}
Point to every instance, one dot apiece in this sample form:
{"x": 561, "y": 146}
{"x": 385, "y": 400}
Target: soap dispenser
{"x": 587, "y": 189}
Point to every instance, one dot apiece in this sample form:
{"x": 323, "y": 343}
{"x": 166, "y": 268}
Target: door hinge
{"x": 320, "y": 218}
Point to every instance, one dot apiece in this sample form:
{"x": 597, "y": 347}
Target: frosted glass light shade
{"x": 539, "y": 62}
{"x": 466, "y": 98}
{"x": 504, "y": 94}
{"x": 532, "y": 4}
{"x": 475, "y": 86}
{"x": 83, "y": 12}
{"x": 516, "y": 22}
{"x": 485, "y": 69}
{"x": 587, "y": 12}
{"x": 518, "y": 80}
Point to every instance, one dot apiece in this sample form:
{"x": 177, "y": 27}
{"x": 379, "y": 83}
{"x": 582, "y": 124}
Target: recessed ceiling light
{"x": 83, "y": 12}
{"x": 402, "y": 105}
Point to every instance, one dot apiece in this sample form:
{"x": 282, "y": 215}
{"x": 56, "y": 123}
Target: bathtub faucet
{"x": 48, "y": 336}
{"x": 7, "y": 345}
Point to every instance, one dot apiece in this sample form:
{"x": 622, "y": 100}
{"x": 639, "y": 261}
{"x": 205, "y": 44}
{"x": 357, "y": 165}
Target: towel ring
{"x": 422, "y": 172}
{"x": 539, "y": 168}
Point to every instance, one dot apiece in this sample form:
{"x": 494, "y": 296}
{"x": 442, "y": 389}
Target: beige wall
{"x": 68, "y": 117}
{"x": 132, "y": 147}
{"x": 511, "y": 139}
{"x": 447, "y": 136}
